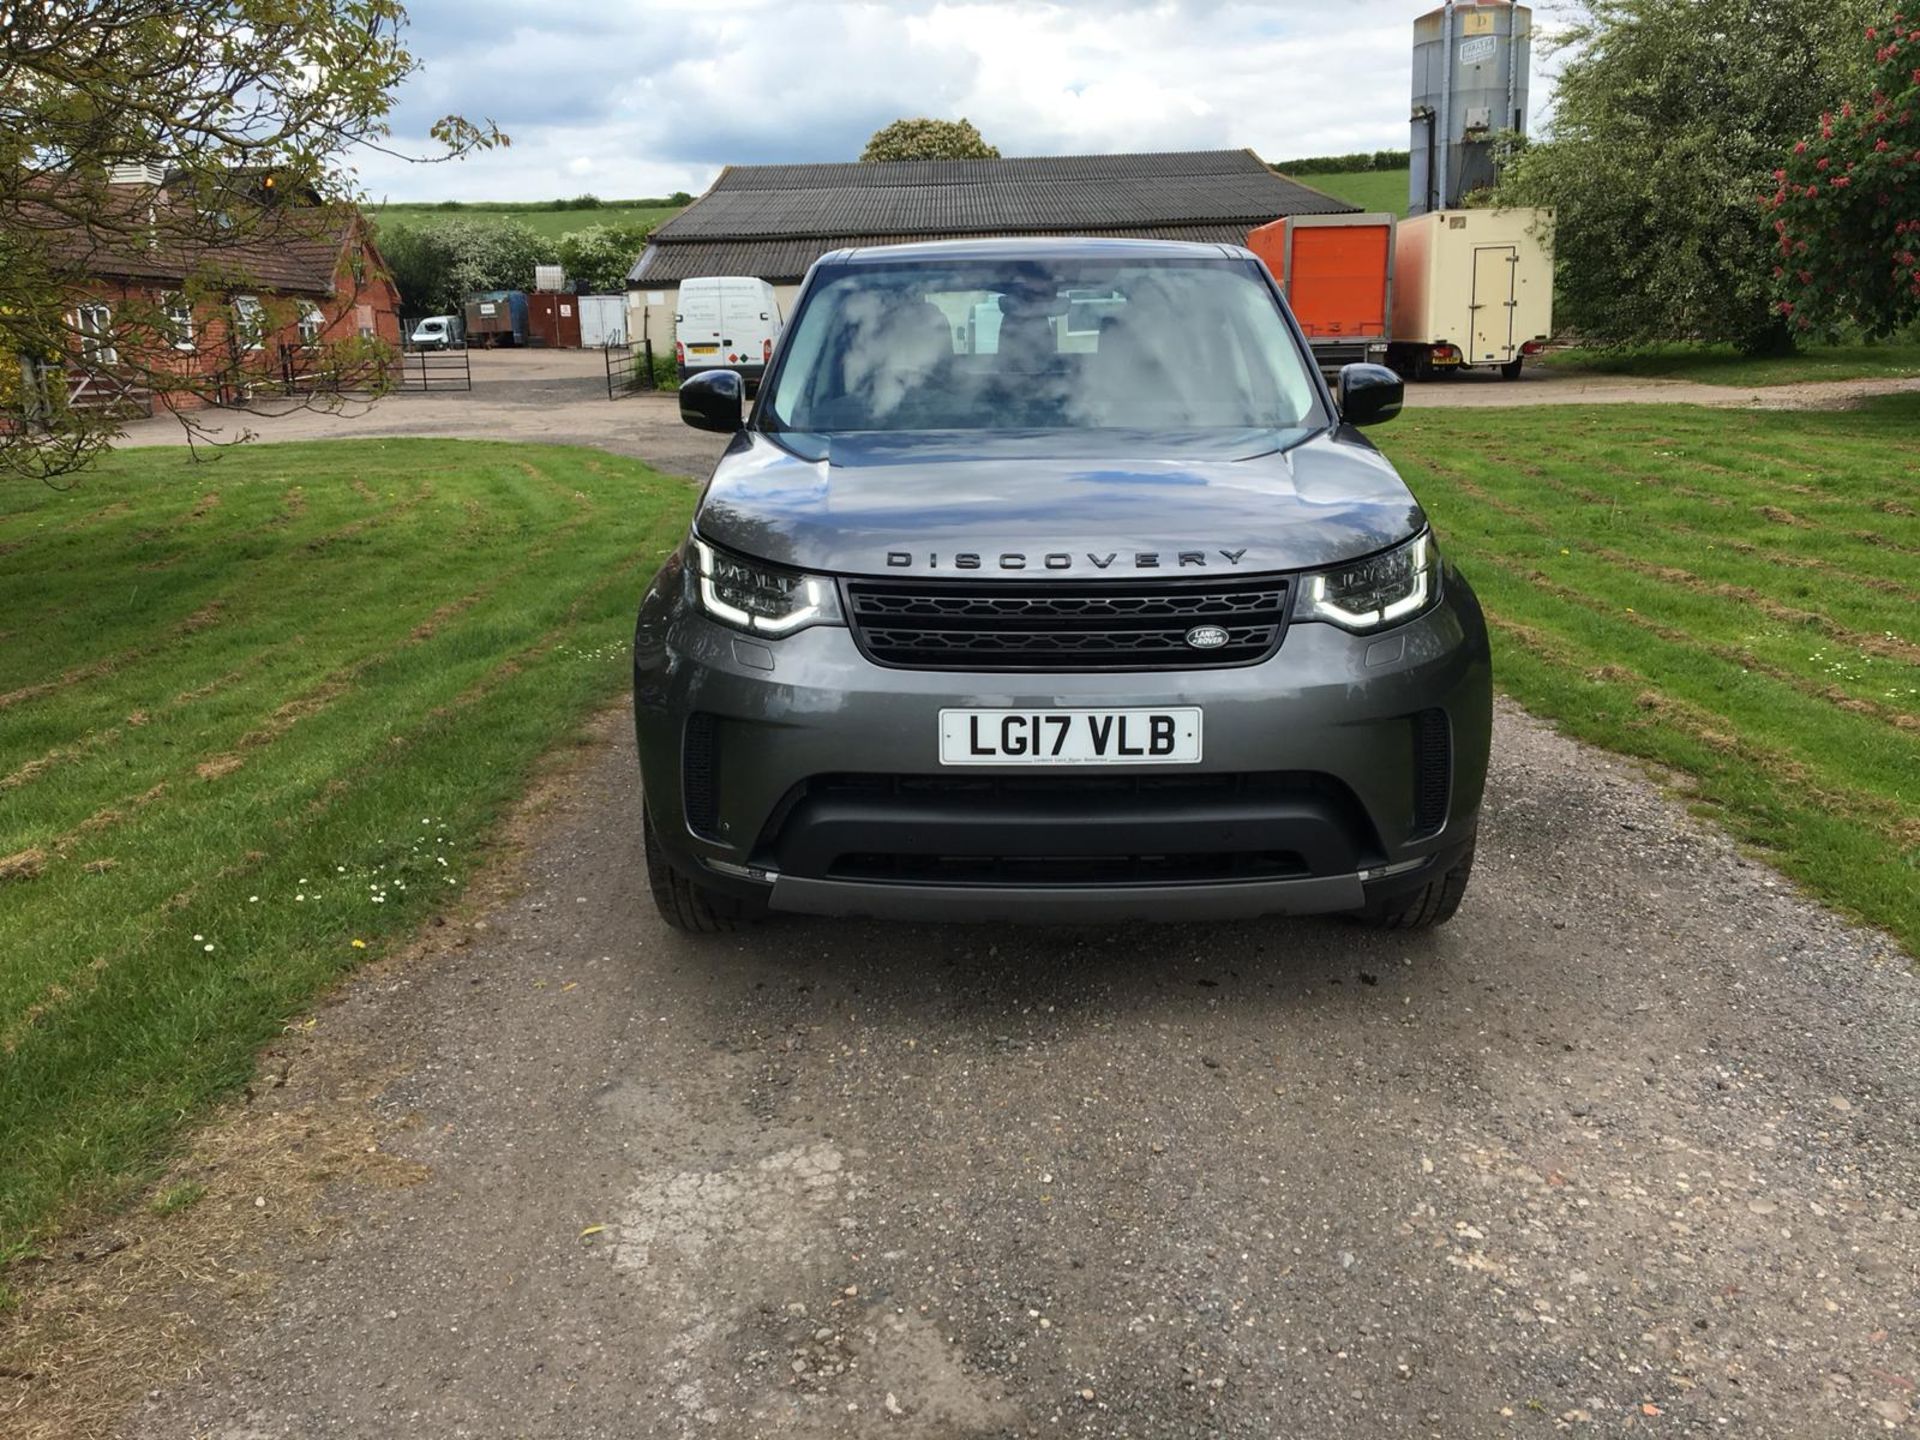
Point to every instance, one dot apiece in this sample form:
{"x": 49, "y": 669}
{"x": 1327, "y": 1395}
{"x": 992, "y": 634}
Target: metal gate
{"x": 422, "y": 372}
{"x": 629, "y": 369}
{"x": 603, "y": 321}
{"x": 315, "y": 370}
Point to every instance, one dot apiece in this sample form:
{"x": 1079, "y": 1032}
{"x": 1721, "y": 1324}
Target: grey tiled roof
{"x": 1148, "y": 165}
{"x": 157, "y": 235}
{"x": 787, "y": 260}
{"x": 775, "y": 220}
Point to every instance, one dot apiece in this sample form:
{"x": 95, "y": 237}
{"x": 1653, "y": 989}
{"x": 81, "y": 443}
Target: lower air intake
{"x": 699, "y": 784}
{"x": 1432, "y": 770}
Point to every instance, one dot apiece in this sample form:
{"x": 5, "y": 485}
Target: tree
{"x": 240, "y": 113}
{"x": 1669, "y": 119}
{"x": 928, "y": 140}
{"x": 598, "y": 258}
{"x": 1846, "y": 206}
{"x": 491, "y": 255}
{"x": 437, "y": 265}
{"x": 418, "y": 262}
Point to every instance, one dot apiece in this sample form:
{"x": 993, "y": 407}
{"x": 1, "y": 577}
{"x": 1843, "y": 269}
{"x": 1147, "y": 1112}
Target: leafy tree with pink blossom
{"x": 1845, "y": 208}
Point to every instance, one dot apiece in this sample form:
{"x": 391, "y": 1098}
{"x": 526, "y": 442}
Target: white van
{"x": 436, "y": 332}
{"x": 725, "y": 322}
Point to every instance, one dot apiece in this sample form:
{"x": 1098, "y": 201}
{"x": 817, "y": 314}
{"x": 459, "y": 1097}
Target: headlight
{"x": 765, "y": 599}
{"x": 1371, "y": 594}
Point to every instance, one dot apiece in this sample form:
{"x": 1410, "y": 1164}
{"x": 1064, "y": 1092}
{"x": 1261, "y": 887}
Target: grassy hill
{"x": 538, "y": 216}
{"x": 1369, "y": 189}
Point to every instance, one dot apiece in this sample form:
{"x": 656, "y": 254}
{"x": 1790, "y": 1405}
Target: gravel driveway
{"x": 1631, "y": 1146}
{"x": 560, "y": 397}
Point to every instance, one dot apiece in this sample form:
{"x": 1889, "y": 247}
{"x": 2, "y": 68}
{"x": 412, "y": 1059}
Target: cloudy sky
{"x": 643, "y": 97}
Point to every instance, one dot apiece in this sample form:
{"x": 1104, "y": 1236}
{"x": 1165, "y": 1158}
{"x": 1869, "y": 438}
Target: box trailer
{"x": 1471, "y": 288}
{"x": 1337, "y": 274}
{"x": 496, "y": 317}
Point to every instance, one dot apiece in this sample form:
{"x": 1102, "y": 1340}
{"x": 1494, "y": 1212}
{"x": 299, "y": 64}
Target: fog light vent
{"x": 1432, "y": 770}
{"x": 699, "y": 782}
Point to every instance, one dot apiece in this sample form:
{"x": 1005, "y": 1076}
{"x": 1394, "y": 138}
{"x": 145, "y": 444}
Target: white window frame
{"x": 250, "y": 322}
{"x": 313, "y": 321}
{"x": 93, "y": 323}
{"x": 178, "y": 310}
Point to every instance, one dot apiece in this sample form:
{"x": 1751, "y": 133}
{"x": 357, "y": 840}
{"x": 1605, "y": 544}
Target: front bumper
{"x": 797, "y": 772}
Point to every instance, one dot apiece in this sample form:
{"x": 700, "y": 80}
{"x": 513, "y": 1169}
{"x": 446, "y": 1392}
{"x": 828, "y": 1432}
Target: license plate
{"x": 702, "y": 349}
{"x": 1070, "y": 737}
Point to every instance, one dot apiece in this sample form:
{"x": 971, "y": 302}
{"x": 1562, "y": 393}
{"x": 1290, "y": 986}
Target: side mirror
{"x": 713, "y": 400}
{"x": 1369, "y": 394}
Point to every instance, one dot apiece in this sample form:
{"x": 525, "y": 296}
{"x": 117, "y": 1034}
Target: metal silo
{"x": 1470, "y": 64}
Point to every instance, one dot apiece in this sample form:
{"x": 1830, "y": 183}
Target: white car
{"x": 436, "y": 332}
{"x": 725, "y": 322}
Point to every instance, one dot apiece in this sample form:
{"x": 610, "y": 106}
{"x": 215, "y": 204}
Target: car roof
{"x": 1038, "y": 247}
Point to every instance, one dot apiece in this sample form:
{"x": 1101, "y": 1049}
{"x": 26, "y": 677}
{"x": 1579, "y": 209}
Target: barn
{"x": 773, "y": 221}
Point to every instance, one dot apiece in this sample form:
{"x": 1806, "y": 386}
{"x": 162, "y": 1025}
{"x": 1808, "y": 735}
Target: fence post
{"x": 36, "y": 406}
{"x": 651, "y": 382}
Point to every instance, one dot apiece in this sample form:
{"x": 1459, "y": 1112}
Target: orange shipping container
{"x": 1337, "y": 274}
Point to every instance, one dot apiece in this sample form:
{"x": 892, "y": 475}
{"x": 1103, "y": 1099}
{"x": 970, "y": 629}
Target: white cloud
{"x": 655, "y": 96}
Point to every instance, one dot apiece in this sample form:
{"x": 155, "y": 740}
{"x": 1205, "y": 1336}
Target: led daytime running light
{"x": 1323, "y": 604}
{"x": 815, "y": 606}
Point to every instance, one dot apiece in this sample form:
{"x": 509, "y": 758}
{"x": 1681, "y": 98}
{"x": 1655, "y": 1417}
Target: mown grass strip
{"x": 221, "y": 814}
{"x": 1730, "y": 594}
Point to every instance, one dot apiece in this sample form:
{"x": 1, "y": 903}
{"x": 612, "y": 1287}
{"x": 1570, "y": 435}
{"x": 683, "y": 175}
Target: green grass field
{"x": 1369, "y": 189}
{"x": 254, "y": 714}
{"x": 1733, "y": 594}
{"x": 551, "y": 223}
{"x": 1722, "y": 365}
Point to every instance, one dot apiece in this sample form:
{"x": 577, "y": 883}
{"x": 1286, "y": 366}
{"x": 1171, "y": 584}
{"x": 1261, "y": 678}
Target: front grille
{"x": 1065, "y": 625}
{"x": 1071, "y": 870}
{"x": 1080, "y": 788}
{"x": 1067, "y": 830}
{"x": 1432, "y": 770}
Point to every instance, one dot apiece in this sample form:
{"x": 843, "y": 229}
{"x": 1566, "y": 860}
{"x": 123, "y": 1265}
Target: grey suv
{"x": 1047, "y": 580}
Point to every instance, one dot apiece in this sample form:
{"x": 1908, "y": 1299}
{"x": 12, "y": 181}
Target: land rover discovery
{"x": 1048, "y": 580}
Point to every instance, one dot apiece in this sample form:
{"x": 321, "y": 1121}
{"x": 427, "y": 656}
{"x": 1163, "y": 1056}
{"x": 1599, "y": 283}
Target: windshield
{"x": 1041, "y": 345}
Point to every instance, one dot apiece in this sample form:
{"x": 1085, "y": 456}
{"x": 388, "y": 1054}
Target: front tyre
{"x": 1432, "y": 904}
{"x": 684, "y": 903}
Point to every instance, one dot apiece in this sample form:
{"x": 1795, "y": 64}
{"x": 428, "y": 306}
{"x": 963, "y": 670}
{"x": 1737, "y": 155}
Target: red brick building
{"x": 191, "y": 318}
